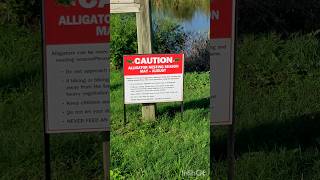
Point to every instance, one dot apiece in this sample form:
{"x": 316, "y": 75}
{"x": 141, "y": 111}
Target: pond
{"x": 192, "y": 15}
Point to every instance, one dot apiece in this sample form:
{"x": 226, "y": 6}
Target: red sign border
{"x": 183, "y": 55}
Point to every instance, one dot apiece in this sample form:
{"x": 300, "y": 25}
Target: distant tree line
{"x": 282, "y": 16}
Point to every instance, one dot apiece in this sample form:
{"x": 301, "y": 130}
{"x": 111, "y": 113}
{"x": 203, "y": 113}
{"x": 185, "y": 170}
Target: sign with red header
{"x": 76, "y": 65}
{"x": 221, "y": 19}
{"x": 80, "y": 21}
{"x": 153, "y": 78}
{"x": 222, "y": 35}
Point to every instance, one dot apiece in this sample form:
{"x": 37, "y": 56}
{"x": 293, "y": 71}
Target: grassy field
{"x": 277, "y": 113}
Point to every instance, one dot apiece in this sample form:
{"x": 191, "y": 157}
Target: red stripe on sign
{"x": 221, "y": 19}
{"x": 153, "y": 64}
{"x": 77, "y": 23}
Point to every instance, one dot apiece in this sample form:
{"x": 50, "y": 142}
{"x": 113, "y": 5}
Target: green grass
{"x": 164, "y": 148}
{"x": 277, "y": 114}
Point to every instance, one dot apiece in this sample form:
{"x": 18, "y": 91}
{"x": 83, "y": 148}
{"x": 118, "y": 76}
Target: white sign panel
{"x": 153, "y": 78}
{"x": 76, "y": 66}
{"x": 222, "y": 36}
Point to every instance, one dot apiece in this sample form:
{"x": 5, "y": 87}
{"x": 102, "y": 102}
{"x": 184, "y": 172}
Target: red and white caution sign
{"x": 76, "y": 65}
{"x": 153, "y": 78}
{"x": 222, "y": 35}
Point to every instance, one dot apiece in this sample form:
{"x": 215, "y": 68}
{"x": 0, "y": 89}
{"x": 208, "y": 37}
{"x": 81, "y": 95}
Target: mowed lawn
{"x": 277, "y": 114}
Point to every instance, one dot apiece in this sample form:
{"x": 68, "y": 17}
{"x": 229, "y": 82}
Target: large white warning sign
{"x": 153, "y": 78}
{"x": 222, "y": 35}
{"x": 76, "y": 65}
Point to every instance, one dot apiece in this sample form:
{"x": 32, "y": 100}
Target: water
{"x": 192, "y": 15}
{"x": 199, "y": 23}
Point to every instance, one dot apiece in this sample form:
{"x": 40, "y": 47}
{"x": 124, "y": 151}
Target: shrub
{"x": 168, "y": 37}
{"x": 198, "y": 56}
{"x": 123, "y": 38}
{"x": 267, "y": 60}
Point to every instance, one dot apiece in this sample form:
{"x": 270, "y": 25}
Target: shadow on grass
{"x": 171, "y": 110}
{"x": 14, "y": 81}
{"x": 302, "y": 131}
{"x": 114, "y": 87}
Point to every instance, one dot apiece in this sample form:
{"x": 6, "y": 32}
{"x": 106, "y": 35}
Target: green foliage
{"x": 302, "y": 54}
{"x": 168, "y": 37}
{"x": 123, "y": 38}
{"x": 116, "y": 175}
{"x": 199, "y": 54}
{"x": 265, "y": 61}
{"x": 20, "y": 58}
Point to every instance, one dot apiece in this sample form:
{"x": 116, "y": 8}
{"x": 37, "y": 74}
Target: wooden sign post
{"x": 145, "y": 47}
{"x": 142, "y": 8}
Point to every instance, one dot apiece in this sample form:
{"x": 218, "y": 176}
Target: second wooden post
{"x": 144, "y": 34}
